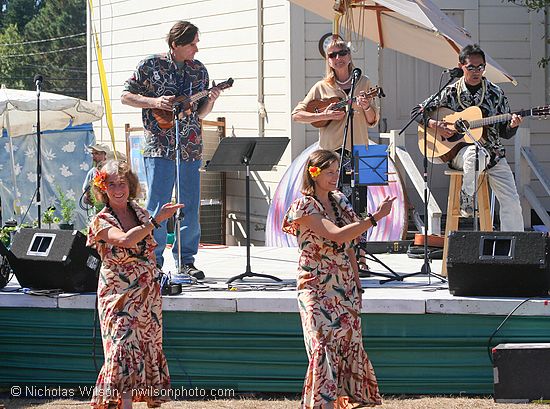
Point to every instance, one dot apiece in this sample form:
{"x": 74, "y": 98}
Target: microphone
{"x": 455, "y": 72}
{"x": 355, "y": 74}
{"x": 38, "y": 78}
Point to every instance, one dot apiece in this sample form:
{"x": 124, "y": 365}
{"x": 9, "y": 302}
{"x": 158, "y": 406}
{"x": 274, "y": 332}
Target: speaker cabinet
{"x": 52, "y": 259}
{"x": 505, "y": 264}
{"x": 521, "y": 373}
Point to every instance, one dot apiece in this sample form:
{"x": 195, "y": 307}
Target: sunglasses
{"x": 480, "y": 67}
{"x": 341, "y": 53}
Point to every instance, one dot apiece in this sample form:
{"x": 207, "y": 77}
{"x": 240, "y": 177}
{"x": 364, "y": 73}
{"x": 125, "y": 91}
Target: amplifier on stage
{"x": 54, "y": 259}
{"x": 504, "y": 264}
{"x": 521, "y": 373}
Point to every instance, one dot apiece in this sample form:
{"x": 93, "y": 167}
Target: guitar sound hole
{"x": 462, "y": 125}
{"x": 455, "y": 137}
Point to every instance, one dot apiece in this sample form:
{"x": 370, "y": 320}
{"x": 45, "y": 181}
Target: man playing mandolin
{"x": 474, "y": 90}
{"x": 154, "y": 86}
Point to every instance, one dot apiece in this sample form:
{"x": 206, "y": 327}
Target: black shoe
{"x": 191, "y": 270}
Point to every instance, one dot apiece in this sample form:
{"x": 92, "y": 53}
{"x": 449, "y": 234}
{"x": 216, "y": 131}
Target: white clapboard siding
{"x": 132, "y": 29}
{"x": 505, "y": 31}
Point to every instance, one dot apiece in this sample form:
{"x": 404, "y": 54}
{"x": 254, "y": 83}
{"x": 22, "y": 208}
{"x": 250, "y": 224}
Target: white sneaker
{"x": 466, "y": 204}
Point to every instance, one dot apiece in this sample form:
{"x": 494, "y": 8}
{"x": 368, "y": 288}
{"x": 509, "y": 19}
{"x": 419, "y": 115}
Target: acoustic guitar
{"x": 319, "y": 105}
{"x": 185, "y": 105}
{"x": 441, "y": 150}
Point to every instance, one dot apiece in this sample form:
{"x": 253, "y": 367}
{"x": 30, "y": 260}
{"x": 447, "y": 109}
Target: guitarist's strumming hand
{"x": 443, "y": 129}
{"x": 330, "y": 114}
{"x": 516, "y": 121}
{"x": 165, "y": 102}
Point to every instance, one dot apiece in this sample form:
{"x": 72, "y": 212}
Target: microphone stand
{"x": 355, "y": 200}
{"x": 426, "y": 269}
{"x": 464, "y": 127}
{"x": 349, "y": 120}
{"x": 38, "y": 153}
{"x": 179, "y": 214}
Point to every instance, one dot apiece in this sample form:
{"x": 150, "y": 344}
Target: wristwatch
{"x": 154, "y": 222}
{"x": 372, "y": 219}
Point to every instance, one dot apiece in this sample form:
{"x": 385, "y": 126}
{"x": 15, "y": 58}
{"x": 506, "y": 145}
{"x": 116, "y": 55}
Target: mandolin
{"x": 319, "y": 105}
{"x": 185, "y": 105}
{"x": 441, "y": 150}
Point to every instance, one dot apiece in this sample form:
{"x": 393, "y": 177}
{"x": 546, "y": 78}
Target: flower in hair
{"x": 100, "y": 181}
{"x": 314, "y": 171}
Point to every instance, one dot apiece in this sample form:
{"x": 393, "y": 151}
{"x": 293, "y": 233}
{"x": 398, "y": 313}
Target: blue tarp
{"x": 65, "y": 162}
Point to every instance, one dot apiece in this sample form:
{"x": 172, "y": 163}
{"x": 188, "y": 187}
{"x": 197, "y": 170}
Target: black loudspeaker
{"x": 505, "y": 264}
{"x": 5, "y": 267}
{"x": 521, "y": 373}
{"x": 52, "y": 259}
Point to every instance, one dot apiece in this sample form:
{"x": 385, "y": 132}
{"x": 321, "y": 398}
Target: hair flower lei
{"x": 100, "y": 181}
{"x": 314, "y": 171}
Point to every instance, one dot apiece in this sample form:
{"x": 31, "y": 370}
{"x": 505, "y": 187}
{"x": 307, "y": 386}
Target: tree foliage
{"x": 536, "y": 6}
{"x": 44, "y": 37}
{"x": 9, "y": 66}
{"x": 18, "y": 12}
{"x": 532, "y": 5}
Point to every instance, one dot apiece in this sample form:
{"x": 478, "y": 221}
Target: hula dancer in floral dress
{"x": 128, "y": 293}
{"x": 339, "y": 374}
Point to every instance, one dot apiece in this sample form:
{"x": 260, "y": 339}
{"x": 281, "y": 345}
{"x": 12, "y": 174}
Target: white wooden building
{"x": 270, "y": 48}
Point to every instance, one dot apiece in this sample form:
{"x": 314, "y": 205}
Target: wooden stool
{"x": 453, "y": 208}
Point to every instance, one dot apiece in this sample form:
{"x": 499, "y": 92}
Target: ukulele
{"x": 441, "y": 150}
{"x": 185, "y": 104}
{"x": 319, "y": 105}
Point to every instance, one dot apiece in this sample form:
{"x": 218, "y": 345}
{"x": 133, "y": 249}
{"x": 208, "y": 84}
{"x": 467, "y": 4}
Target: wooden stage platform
{"x": 421, "y": 338}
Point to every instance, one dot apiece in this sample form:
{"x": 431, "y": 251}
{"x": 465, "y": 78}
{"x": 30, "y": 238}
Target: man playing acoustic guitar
{"x": 474, "y": 90}
{"x": 154, "y": 86}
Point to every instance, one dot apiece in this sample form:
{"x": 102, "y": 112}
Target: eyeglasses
{"x": 480, "y": 67}
{"x": 341, "y": 53}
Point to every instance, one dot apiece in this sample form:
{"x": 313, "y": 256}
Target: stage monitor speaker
{"x": 505, "y": 264}
{"x": 54, "y": 259}
{"x": 521, "y": 373}
{"x": 5, "y": 267}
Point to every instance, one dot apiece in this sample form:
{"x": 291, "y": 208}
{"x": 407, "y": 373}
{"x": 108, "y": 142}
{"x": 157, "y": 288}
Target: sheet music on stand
{"x": 371, "y": 165}
{"x": 371, "y": 169}
{"x": 248, "y": 154}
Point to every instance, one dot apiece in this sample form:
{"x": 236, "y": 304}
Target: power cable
{"x": 51, "y": 67}
{"x": 500, "y": 326}
{"x": 43, "y": 41}
{"x": 43, "y": 52}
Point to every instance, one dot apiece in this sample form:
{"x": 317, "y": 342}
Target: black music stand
{"x": 248, "y": 154}
{"x": 371, "y": 169}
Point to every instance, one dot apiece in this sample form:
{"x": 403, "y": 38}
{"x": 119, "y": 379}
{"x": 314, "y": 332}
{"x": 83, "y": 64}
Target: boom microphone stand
{"x": 356, "y": 73}
{"x": 426, "y": 270}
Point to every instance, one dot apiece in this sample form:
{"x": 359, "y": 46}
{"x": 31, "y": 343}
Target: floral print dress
{"x": 339, "y": 369}
{"x": 130, "y": 312}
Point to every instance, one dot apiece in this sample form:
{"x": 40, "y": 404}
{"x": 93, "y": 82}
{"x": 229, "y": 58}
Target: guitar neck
{"x": 342, "y": 104}
{"x": 193, "y": 98}
{"x": 498, "y": 118}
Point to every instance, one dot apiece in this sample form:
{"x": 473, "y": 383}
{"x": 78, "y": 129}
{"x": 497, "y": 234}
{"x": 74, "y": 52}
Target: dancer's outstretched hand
{"x": 167, "y": 210}
{"x": 384, "y": 208}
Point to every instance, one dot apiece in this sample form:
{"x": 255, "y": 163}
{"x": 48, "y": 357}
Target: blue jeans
{"x": 161, "y": 176}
